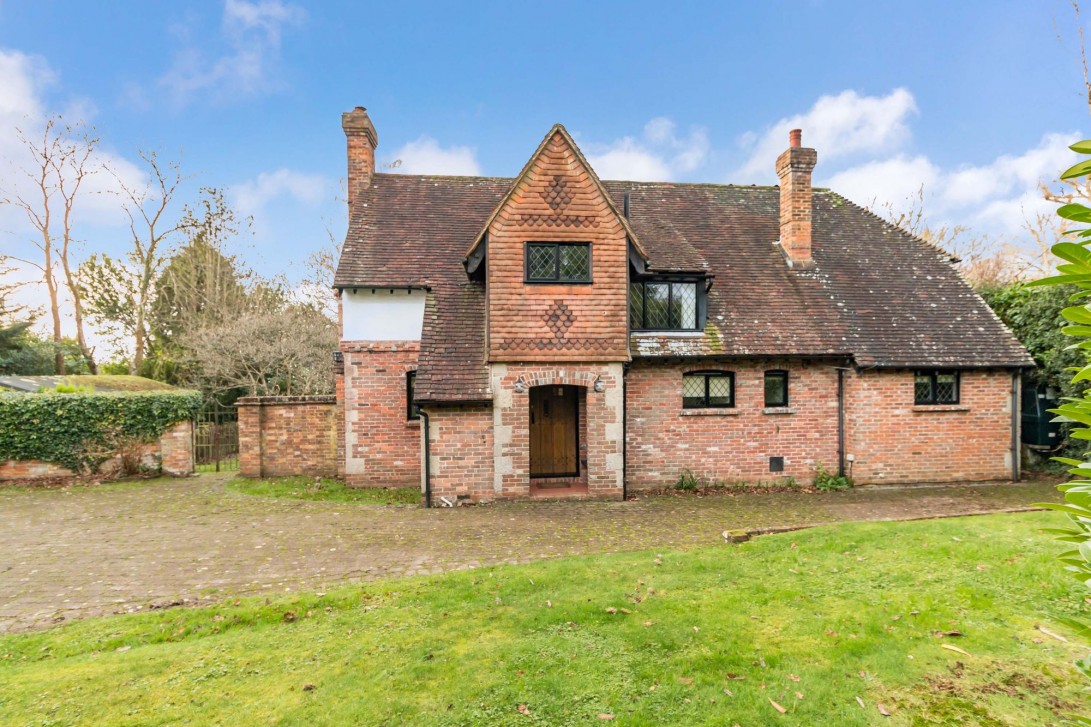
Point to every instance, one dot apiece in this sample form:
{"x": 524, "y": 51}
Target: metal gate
{"x": 216, "y": 438}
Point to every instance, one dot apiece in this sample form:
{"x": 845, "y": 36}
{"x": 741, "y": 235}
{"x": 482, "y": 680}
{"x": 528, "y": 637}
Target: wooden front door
{"x": 554, "y": 431}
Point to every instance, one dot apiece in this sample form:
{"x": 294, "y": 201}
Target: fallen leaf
{"x": 611, "y": 609}
{"x": 522, "y": 709}
{"x": 549, "y": 604}
{"x": 941, "y": 634}
{"x": 686, "y": 680}
{"x": 777, "y": 707}
{"x": 625, "y": 610}
{"x": 949, "y": 647}
{"x": 606, "y": 716}
{"x": 649, "y": 623}
{"x": 799, "y": 695}
{"x": 308, "y": 687}
{"x": 728, "y": 692}
{"x": 737, "y": 677}
{"x": 860, "y": 702}
{"x": 794, "y": 677}
{"x": 124, "y": 648}
{"x": 883, "y": 710}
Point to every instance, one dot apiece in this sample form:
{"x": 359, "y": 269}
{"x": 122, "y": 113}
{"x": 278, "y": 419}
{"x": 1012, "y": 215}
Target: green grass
{"x": 701, "y": 637}
{"x": 327, "y": 490}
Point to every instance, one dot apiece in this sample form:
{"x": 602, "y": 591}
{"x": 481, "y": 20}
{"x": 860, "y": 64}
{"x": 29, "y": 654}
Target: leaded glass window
{"x": 706, "y": 389}
{"x": 663, "y": 305}
{"x": 936, "y": 387}
{"x": 558, "y": 262}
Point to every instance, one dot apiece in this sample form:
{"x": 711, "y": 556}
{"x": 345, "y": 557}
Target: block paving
{"x": 76, "y": 552}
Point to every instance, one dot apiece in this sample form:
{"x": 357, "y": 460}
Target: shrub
{"x": 827, "y": 481}
{"x": 76, "y": 430}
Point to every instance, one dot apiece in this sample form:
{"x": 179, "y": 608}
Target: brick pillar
{"x": 176, "y": 449}
{"x": 250, "y": 439}
{"x": 794, "y": 168}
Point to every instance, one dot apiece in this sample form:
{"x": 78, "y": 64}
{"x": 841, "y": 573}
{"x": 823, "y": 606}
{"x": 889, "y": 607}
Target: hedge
{"x": 71, "y": 429}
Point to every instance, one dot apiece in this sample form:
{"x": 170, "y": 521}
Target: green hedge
{"x": 70, "y": 429}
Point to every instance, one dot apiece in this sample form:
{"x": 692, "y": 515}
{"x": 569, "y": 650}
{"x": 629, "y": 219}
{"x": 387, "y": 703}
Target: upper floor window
{"x": 776, "y": 388}
{"x": 662, "y": 306}
{"x": 707, "y": 389}
{"x": 935, "y": 387}
{"x": 558, "y": 262}
{"x": 412, "y": 411}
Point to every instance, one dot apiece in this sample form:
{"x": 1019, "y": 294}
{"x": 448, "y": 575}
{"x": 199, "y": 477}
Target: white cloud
{"x": 894, "y": 181}
{"x": 659, "y": 155}
{"x": 252, "y": 196}
{"x": 999, "y": 196}
{"x": 251, "y": 36}
{"x": 840, "y": 125}
{"x": 426, "y": 156}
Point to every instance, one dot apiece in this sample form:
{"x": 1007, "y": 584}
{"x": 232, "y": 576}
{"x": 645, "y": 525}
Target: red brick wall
{"x": 894, "y": 441}
{"x": 595, "y": 316}
{"x": 287, "y": 435}
{"x": 735, "y": 444}
{"x": 382, "y": 447}
{"x": 511, "y": 422}
{"x": 461, "y": 452}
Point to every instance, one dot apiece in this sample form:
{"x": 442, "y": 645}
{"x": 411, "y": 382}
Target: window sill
{"x": 929, "y": 408}
{"x": 778, "y": 410}
{"x": 710, "y": 412}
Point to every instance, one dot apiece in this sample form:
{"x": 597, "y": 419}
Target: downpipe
{"x": 427, "y": 459}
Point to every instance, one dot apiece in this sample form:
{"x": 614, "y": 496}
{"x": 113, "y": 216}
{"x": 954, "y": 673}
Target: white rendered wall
{"x": 382, "y": 315}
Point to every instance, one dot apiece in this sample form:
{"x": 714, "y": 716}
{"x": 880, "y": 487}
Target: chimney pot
{"x": 795, "y": 138}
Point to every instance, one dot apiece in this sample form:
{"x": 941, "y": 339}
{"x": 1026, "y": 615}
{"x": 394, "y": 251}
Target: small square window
{"x": 776, "y": 389}
{"x": 936, "y": 387}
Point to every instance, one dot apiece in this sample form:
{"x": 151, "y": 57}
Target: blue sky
{"x": 974, "y": 100}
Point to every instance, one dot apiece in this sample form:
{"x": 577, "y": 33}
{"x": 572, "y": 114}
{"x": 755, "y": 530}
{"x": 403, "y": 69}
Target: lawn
{"x": 323, "y": 489}
{"x": 812, "y": 620}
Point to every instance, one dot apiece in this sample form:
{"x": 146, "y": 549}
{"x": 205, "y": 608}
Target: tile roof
{"x": 875, "y": 293}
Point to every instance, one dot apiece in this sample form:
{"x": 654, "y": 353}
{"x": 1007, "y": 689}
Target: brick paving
{"x": 87, "y": 551}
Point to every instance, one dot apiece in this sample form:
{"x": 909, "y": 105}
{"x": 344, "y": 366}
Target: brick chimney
{"x": 794, "y": 168}
{"x": 362, "y": 139}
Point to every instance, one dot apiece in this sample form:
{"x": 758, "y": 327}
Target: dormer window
{"x": 558, "y": 262}
{"x": 663, "y": 305}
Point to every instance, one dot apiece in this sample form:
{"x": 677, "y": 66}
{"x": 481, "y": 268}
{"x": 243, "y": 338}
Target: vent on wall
{"x": 776, "y": 464}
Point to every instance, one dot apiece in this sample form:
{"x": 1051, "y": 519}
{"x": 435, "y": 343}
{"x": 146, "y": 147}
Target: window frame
{"x": 707, "y": 376}
{"x": 933, "y": 375}
{"x": 781, "y": 374}
{"x": 412, "y": 411}
{"x": 557, "y": 279}
{"x": 670, "y": 304}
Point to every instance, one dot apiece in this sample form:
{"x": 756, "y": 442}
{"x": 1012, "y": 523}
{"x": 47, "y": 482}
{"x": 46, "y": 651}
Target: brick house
{"x": 557, "y": 334}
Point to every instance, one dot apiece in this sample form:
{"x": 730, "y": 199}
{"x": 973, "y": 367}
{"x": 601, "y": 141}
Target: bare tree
{"x": 265, "y": 351}
{"x": 71, "y": 164}
{"x": 39, "y": 213}
{"x": 120, "y": 295}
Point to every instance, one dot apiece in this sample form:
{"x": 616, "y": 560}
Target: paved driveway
{"x": 71, "y": 553}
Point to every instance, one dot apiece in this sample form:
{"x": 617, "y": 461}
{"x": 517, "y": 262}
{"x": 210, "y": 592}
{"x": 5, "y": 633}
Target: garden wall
{"x": 288, "y": 435}
{"x": 172, "y": 454}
